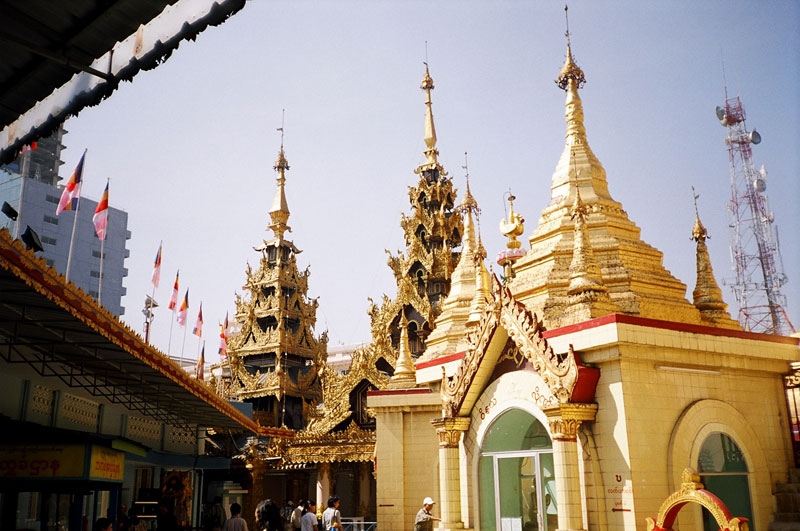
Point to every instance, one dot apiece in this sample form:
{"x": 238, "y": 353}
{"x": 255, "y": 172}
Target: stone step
{"x": 787, "y": 503}
{"x": 787, "y": 517}
{"x": 787, "y": 488}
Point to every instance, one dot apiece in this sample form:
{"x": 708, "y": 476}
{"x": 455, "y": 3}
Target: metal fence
{"x": 359, "y": 526}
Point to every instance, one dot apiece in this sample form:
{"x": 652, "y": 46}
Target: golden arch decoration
{"x": 692, "y": 491}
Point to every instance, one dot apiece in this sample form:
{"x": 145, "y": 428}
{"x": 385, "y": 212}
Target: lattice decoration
{"x": 182, "y": 435}
{"x": 140, "y": 428}
{"x": 42, "y": 400}
{"x": 80, "y": 410}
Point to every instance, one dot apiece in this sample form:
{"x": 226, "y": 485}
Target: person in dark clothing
{"x": 165, "y": 520}
{"x": 268, "y": 517}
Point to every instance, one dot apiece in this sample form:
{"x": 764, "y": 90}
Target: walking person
{"x": 309, "y": 521}
{"x": 297, "y": 515}
{"x": 235, "y": 522}
{"x": 424, "y": 520}
{"x": 332, "y": 518}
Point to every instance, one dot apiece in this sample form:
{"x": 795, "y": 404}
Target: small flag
{"x": 184, "y": 309}
{"x": 157, "y": 267}
{"x": 223, "y": 338}
{"x": 28, "y": 147}
{"x": 173, "y": 301}
{"x": 200, "y": 363}
{"x": 198, "y": 326}
{"x": 72, "y": 191}
{"x": 100, "y": 218}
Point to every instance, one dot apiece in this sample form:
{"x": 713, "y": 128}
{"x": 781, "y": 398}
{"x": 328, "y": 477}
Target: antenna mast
{"x": 755, "y": 249}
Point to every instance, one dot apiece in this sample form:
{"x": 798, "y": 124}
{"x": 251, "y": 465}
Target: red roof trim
{"x": 440, "y": 361}
{"x": 399, "y": 392}
{"x": 668, "y": 325}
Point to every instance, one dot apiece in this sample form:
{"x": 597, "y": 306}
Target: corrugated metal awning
{"x": 61, "y": 56}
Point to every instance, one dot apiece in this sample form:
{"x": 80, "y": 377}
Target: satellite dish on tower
{"x": 720, "y": 113}
{"x": 755, "y": 138}
{"x": 760, "y": 185}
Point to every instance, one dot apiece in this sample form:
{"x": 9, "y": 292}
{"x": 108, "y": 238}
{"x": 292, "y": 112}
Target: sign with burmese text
{"x": 106, "y": 464}
{"x": 61, "y": 462}
{"x": 31, "y": 462}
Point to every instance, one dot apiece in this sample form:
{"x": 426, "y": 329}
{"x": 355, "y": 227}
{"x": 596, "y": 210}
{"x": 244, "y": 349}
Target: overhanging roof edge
{"x": 34, "y": 272}
{"x": 145, "y": 49}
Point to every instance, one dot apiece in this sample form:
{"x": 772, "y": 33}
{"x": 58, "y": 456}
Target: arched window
{"x": 516, "y": 475}
{"x": 723, "y": 472}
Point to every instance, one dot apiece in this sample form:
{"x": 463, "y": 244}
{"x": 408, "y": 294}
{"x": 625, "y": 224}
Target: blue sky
{"x": 189, "y": 147}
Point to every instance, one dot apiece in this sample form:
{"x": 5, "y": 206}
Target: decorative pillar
{"x": 449, "y": 431}
{"x": 564, "y": 421}
{"x": 364, "y": 472}
{"x": 255, "y": 493}
{"x": 323, "y": 487}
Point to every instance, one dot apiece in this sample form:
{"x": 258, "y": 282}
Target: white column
{"x": 323, "y": 487}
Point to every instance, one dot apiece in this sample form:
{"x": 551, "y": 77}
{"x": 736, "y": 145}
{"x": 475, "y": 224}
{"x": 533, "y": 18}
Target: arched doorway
{"x": 517, "y": 487}
{"x": 723, "y": 472}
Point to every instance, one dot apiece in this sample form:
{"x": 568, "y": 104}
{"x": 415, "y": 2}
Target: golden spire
{"x": 707, "y": 295}
{"x": 404, "y": 371}
{"x": 482, "y": 293}
{"x": 431, "y": 153}
{"x": 570, "y": 71}
{"x": 279, "y": 213}
{"x": 584, "y": 273}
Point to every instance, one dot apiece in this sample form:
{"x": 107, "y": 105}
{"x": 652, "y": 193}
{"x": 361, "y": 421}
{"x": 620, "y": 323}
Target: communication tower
{"x": 755, "y": 248}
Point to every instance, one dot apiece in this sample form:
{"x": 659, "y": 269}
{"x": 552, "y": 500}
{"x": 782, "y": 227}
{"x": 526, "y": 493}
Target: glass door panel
{"x": 548, "y": 485}
{"x": 487, "y": 494}
{"x": 517, "y": 493}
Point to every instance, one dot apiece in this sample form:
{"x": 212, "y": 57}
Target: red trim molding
{"x": 440, "y": 361}
{"x": 414, "y": 391}
{"x": 668, "y": 325}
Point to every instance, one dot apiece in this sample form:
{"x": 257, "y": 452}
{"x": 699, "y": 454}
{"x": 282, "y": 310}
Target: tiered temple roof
{"x": 270, "y": 354}
{"x": 630, "y": 270}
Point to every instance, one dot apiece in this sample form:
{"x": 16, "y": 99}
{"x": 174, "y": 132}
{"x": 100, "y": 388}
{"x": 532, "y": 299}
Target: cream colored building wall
{"x": 407, "y": 447}
{"x": 660, "y": 394}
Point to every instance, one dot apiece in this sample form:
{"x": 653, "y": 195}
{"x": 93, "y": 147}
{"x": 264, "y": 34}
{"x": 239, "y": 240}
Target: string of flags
{"x": 70, "y": 200}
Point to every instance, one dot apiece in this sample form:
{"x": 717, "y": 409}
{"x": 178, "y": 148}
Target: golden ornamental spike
{"x": 707, "y": 296}
{"x": 570, "y": 72}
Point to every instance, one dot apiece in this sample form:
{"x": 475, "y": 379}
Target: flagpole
{"x": 183, "y": 345}
{"x": 171, "y": 324}
{"x": 100, "y": 282}
{"x": 75, "y": 219}
{"x": 153, "y": 293}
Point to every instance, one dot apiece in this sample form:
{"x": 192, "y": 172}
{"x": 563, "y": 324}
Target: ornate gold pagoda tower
{"x": 432, "y": 232}
{"x": 623, "y": 274}
{"x": 274, "y": 357}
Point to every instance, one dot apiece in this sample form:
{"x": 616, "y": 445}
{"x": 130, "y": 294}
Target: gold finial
{"x": 513, "y": 228}
{"x": 431, "y": 153}
{"x": 570, "y": 71}
{"x": 707, "y": 296}
{"x": 279, "y": 213}
{"x": 468, "y": 204}
{"x": 404, "y": 371}
{"x": 699, "y": 232}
